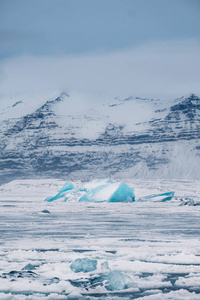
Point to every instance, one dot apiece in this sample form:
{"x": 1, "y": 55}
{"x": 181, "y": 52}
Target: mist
{"x": 154, "y": 70}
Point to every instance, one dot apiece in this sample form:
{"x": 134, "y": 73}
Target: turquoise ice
{"x": 68, "y": 186}
{"x": 83, "y": 265}
{"x": 99, "y": 190}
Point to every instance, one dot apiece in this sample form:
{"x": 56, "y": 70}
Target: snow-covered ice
{"x": 142, "y": 250}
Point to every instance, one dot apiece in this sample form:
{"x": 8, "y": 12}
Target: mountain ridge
{"x": 125, "y": 138}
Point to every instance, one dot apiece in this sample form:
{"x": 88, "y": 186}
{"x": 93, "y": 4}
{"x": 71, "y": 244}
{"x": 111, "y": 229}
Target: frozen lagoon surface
{"x": 140, "y": 250}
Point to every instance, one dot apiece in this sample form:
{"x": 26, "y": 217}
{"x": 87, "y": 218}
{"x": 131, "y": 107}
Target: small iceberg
{"x": 116, "y": 281}
{"x": 83, "y": 265}
{"x": 158, "y": 197}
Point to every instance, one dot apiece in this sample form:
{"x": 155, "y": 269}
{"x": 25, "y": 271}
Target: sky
{"x": 147, "y": 48}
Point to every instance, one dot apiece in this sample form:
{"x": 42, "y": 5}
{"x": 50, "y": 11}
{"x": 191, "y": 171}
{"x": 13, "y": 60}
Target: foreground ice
{"x": 142, "y": 250}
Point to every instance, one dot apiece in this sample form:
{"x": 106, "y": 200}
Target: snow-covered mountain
{"x": 123, "y": 138}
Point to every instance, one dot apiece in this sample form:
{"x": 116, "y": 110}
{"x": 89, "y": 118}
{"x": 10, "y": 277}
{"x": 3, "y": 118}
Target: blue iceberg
{"x": 99, "y": 190}
{"x": 111, "y": 192}
{"x": 158, "y": 197}
{"x": 116, "y": 281}
{"x": 83, "y": 265}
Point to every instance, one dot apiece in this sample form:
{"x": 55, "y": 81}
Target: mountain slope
{"x": 132, "y": 137}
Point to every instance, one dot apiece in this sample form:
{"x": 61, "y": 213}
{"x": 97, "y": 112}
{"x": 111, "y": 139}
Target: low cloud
{"x": 158, "y": 70}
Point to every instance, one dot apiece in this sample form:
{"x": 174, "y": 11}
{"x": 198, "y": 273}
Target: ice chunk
{"x": 123, "y": 193}
{"x": 45, "y": 211}
{"x": 189, "y": 202}
{"x": 113, "y": 192}
{"x": 118, "y": 281}
{"x": 158, "y": 197}
{"x": 75, "y": 295}
{"x": 195, "y": 201}
{"x": 29, "y": 267}
{"x": 83, "y": 265}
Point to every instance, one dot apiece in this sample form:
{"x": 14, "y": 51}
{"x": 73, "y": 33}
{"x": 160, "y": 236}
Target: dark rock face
{"x": 37, "y": 145}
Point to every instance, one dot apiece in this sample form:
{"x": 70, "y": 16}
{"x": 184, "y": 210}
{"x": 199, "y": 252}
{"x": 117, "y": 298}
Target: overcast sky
{"x": 116, "y": 47}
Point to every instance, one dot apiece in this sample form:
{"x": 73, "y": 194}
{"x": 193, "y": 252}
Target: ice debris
{"x": 158, "y": 197}
{"x": 96, "y": 191}
{"x": 117, "y": 280}
{"x": 83, "y": 265}
{"x": 195, "y": 201}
